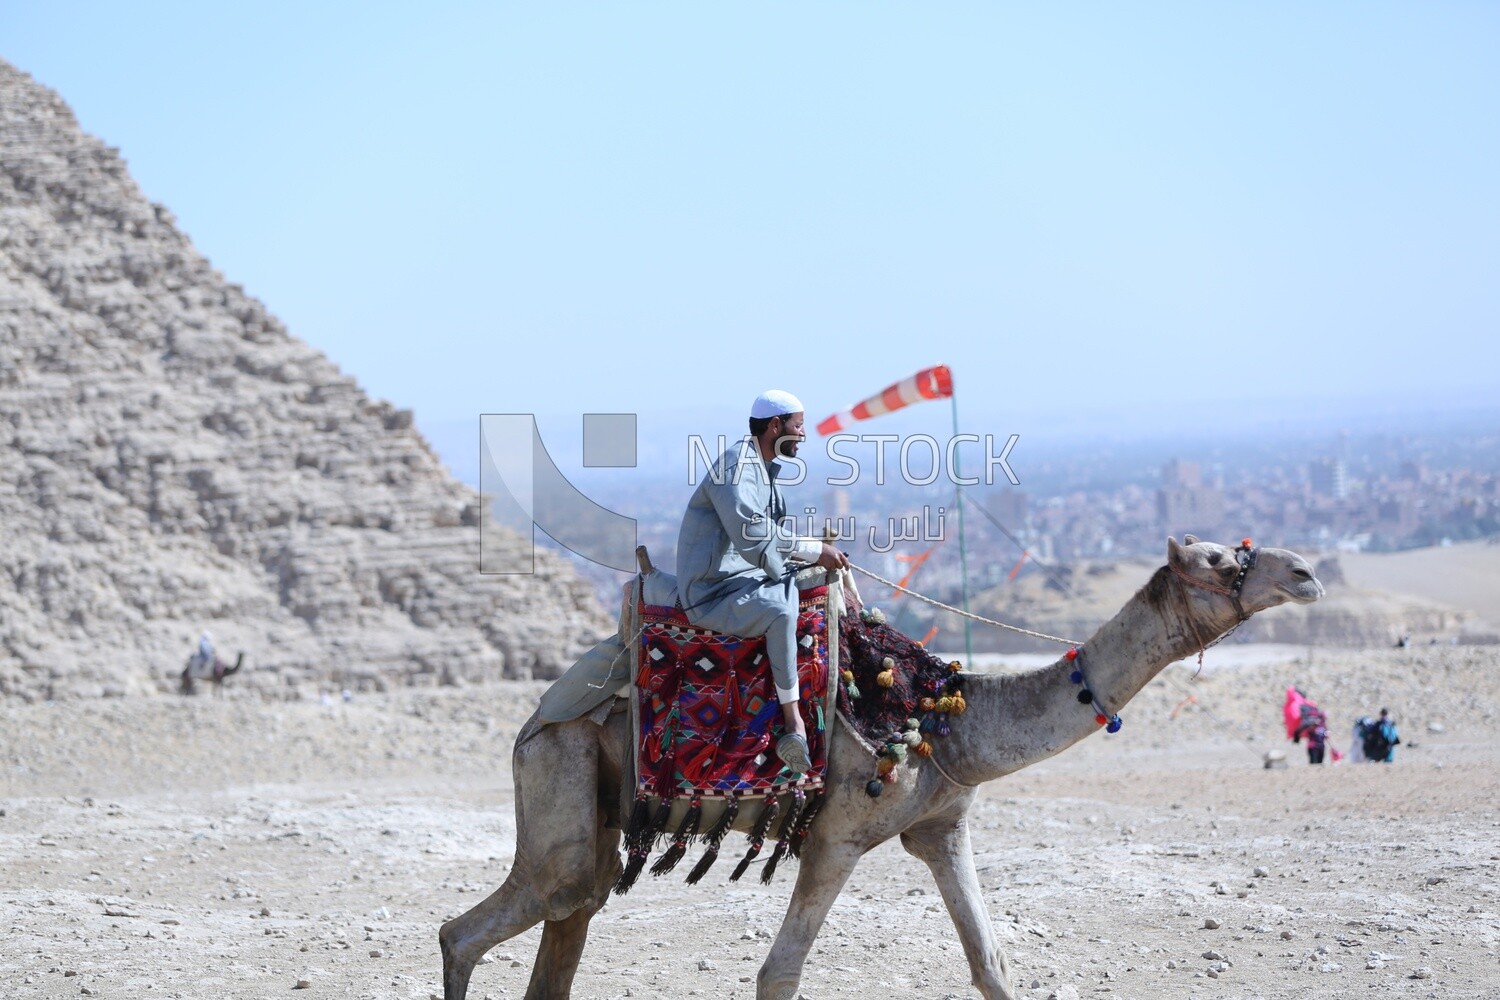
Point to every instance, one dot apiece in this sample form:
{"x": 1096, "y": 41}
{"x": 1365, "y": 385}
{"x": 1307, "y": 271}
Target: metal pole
{"x": 963, "y": 553}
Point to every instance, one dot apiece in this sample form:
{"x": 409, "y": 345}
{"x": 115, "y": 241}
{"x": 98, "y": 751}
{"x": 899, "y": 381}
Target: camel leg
{"x": 561, "y": 864}
{"x": 946, "y": 851}
{"x": 506, "y": 912}
{"x": 563, "y": 940}
{"x": 822, "y": 872}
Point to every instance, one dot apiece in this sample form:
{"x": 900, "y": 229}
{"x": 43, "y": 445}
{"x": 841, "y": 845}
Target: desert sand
{"x": 207, "y": 847}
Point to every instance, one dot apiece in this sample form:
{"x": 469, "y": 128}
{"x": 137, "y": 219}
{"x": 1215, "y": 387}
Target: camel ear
{"x": 1174, "y": 551}
{"x": 1189, "y": 539}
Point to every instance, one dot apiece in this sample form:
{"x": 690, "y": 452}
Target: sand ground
{"x": 230, "y": 848}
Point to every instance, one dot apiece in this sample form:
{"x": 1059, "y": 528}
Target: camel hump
{"x": 643, "y": 560}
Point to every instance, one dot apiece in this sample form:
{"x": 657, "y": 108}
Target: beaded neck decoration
{"x": 1110, "y": 721}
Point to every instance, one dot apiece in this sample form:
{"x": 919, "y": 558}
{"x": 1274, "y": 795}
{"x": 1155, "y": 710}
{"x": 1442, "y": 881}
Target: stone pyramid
{"x": 175, "y": 461}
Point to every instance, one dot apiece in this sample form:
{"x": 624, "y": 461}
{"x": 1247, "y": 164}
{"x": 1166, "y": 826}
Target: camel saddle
{"x": 705, "y": 719}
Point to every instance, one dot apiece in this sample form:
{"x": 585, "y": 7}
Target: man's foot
{"x": 794, "y": 753}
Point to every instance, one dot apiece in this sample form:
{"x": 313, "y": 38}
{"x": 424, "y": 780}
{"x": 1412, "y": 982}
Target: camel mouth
{"x": 1305, "y": 592}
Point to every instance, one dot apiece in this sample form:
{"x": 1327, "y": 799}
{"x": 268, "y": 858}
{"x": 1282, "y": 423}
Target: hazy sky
{"x": 1209, "y": 212}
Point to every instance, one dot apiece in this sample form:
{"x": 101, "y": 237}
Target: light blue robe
{"x": 733, "y": 577}
{"x": 732, "y": 557}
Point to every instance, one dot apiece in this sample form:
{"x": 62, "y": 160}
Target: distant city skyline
{"x": 1165, "y": 216}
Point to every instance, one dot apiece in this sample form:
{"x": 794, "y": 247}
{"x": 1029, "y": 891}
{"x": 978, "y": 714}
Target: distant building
{"x": 1010, "y": 507}
{"x": 1328, "y": 478}
{"x": 1190, "y": 510}
{"x": 1183, "y": 504}
{"x": 1178, "y": 473}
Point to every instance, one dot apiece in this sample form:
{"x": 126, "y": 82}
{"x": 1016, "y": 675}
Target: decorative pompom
{"x": 1100, "y": 720}
{"x": 847, "y": 676}
{"x": 874, "y": 616}
{"x": 898, "y": 751}
{"x": 1114, "y": 725}
{"x": 954, "y": 666}
{"x": 1076, "y": 677}
{"x": 1246, "y": 544}
{"x": 945, "y": 704}
{"x": 911, "y": 739}
{"x": 885, "y": 678}
{"x": 912, "y": 724}
{"x": 928, "y": 704}
{"x": 873, "y": 788}
{"x": 853, "y": 692}
{"x": 889, "y": 663}
{"x": 927, "y": 726}
{"x": 890, "y": 777}
{"x": 1085, "y": 696}
{"x": 959, "y": 704}
{"x": 1071, "y": 654}
{"x": 923, "y": 749}
{"x": 944, "y": 729}
{"x": 884, "y": 765}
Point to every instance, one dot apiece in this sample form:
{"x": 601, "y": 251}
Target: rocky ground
{"x": 234, "y": 848}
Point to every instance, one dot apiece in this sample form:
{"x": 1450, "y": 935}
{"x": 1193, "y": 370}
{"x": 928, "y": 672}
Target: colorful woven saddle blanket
{"x": 707, "y": 721}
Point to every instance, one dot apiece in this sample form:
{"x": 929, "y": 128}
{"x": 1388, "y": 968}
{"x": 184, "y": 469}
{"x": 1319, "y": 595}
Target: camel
{"x": 569, "y": 791}
{"x": 215, "y": 674}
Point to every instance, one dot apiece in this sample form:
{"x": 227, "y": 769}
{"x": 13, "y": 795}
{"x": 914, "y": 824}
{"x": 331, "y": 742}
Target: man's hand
{"x": 832, "y": 558}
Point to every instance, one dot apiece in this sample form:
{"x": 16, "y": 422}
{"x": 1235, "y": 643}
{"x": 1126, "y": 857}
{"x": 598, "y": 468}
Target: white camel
{"x": 570, "y": 796}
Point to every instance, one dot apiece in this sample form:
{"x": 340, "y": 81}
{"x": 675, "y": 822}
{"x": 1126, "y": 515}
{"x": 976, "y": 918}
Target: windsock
{"x": 929, "y": 383}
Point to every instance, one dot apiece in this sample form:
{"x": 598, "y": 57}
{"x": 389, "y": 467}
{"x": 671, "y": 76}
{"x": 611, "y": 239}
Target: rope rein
{"x": 962, "y": 613}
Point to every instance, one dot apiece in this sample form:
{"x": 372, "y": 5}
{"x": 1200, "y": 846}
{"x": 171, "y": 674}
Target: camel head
{"x": 1278, "y": 575}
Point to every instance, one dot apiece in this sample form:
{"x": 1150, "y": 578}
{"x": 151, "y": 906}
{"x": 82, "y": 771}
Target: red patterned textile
{"x": 707, "y": 708}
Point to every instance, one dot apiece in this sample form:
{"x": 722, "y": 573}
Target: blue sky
{"x": 1100, "y": 215}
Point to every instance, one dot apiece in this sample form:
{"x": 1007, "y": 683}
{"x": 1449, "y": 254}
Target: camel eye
{"x": 1302, "y": 574}
{"x": 1214, "y": 557}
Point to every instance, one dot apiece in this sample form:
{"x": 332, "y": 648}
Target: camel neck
{"x": 1018, "y": 719}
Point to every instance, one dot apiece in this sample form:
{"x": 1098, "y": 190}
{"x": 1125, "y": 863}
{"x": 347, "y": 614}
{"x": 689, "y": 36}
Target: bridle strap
{"x": 1246, "y": 555}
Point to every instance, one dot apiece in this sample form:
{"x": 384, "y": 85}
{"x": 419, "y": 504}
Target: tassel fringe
{"x": 632, "y": 872}
{"x": 804, "y": 823}
{"x": 769, "y": 871}
{"x": 636, "y": 841}
{"x": 757, "y": 836}
{"x": 658, "y": 823}
{"x": 783, "y": 834}
{"x": 715, "y": 834}
{"x": 704, "y": 864}
{"x": 685, "y": 834}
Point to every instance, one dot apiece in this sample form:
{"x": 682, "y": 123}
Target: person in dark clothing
{"x": 1381, "y": 739}
{"x": 1313, "y": 726}
{"x": 1317, "y": 741}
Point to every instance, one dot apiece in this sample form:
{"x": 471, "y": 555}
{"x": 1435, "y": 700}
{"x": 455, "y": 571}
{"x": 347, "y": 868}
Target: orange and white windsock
{"x": 929, "y": 383}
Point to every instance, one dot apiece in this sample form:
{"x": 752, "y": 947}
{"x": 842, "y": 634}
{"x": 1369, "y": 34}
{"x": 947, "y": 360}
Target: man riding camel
{"x": 736, "y": 571}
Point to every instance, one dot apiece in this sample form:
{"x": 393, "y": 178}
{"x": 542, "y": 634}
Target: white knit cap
{"x": 775, "y": 403}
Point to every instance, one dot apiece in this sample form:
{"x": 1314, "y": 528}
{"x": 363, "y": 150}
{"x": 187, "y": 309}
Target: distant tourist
{"x": 1305, "y": 720}
{"x": 1362, "y": 726}
{"x": 1381, "y": 739}
{"x": 205, "y": 665}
